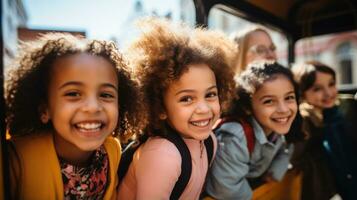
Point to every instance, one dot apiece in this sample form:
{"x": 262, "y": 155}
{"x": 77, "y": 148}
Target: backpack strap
{"x": 128, "y": 154}
{"x": 249, "y": 134}
{"x": 247, "y": 129}
{"x": 209, "y": 149}
{"x": 186, "y": 163}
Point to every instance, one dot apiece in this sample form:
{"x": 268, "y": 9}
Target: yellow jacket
{"x": 35, "y": 170}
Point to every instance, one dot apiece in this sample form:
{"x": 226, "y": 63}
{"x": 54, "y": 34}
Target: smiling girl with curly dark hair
{"x": 186, "y": 78}
{"x": 68, "y": 99}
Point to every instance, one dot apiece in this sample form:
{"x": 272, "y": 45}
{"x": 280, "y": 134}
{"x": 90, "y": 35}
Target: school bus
{"x": 325, "y": 30}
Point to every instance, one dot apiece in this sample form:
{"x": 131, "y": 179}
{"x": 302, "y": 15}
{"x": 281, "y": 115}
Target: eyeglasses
{"x": 262, "y": 50}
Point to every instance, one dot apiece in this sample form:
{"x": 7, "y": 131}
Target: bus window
{"x": 336, "y": 50}
{"x": 228, "y": 21}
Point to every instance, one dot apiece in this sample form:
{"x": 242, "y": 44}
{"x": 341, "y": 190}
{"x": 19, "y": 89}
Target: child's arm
{"x": 157, "y": 170}
{"x": 280, "y": 163}
{"x": 226, "y": 179}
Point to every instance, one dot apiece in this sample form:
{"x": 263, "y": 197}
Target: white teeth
{"x": 281, "y": 120}
{"x": 201, "y": 123}
{"x": 89, "y": 126}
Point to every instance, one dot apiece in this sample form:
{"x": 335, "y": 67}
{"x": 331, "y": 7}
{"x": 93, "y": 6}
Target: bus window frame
{"x": 250, "y": 13}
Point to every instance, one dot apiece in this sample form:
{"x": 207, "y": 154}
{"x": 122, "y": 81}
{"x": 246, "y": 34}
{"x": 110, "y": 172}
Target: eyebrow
{"x": 190, "y": 90}
{"x": 77, "y": 83}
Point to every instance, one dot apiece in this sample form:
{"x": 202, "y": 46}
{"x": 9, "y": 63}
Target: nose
{"x": 270, "y": 54}
{"x": 92, "y": 105}
{"x": 327, "y": 92}
{"x": 202, "y": 107}
{"x": 282, "y": 107}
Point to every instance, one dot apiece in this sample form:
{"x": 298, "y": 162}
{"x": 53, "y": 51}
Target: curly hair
{"x": 250, "y": 80}
{"x": 163, "y": 53}
{"x": 28, "y": 81}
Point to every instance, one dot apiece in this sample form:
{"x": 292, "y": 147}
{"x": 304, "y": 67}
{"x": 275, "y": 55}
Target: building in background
{"x": 26, "y": 34}
{"x": 336, "y": 50}
{"x": 15, "y": 29}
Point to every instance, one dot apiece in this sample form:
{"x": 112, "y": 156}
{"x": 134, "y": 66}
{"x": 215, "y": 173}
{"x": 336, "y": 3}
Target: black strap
{"x": 209, "y": 149}
{"x": 128, "y": 154}
{"x": 186, "y": 163}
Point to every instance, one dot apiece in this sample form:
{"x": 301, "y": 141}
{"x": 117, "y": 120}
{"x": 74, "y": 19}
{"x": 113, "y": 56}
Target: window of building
{"x": 344, "y": 59}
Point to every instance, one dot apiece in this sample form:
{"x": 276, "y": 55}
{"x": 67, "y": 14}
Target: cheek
{"x": 249, "y": 58}
{"x": 261, "y": 112}
{"x": 293, "y": 107}
{"x": 216, "y": 107}
{"x": 334, "y": 91}
{"x": 311, "y": 97}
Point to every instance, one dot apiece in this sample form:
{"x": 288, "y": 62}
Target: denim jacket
{"x": 233, "y": 164}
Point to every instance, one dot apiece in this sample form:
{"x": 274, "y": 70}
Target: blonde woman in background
{"x": 254, "y": 43}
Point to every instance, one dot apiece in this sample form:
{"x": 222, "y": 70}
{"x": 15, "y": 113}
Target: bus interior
{"x": 324, "y": 30}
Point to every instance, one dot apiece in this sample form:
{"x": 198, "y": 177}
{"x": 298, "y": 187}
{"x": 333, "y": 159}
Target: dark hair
{"x": 305, "y": 74}
{"x": 164, "y": 52}
{"x": 27, "y": 84}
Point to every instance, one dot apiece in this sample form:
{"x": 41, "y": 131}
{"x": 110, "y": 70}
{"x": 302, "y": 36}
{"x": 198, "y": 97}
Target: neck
{"x": 267, "y": 132}
{"x": 70, "y": 153}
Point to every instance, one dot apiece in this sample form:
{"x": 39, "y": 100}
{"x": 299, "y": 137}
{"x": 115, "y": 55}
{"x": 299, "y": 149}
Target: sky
{"x": 101, "y": 19}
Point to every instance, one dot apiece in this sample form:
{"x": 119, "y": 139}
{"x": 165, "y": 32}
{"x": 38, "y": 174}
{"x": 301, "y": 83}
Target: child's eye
{"x": 211, "y": 95}
{"x": 268, "y": 101}
{"x": 290, "y": 97}
{"x": 316, "y": 89}
{"x": 186, "y": 99}
{"x": 332, "y": 84}
{"x": 107, "y": 95}
{"x": 72, "y": 94}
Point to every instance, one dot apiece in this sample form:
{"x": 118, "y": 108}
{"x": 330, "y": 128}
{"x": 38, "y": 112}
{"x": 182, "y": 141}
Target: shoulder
{"x": 230, "y": 129}
{"x": 158, "y": 155}
{"x": 32, "y": 143}
{"x": 159, "y": 146}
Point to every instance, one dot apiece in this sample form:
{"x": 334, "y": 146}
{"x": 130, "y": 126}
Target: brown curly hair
{"x": 27, "y": 83}
{"x": 162, "y": 54}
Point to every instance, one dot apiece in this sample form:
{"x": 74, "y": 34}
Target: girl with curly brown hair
{"x": 187, "y": 81}
{"x": 67, "y": 101}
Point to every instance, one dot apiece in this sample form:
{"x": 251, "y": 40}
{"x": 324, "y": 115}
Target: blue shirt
{"x": 233, "y": 163}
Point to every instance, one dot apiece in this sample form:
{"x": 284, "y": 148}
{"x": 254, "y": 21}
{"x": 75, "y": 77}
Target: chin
{"x": 90, "y": 147}
{"x": 282, "y": 131}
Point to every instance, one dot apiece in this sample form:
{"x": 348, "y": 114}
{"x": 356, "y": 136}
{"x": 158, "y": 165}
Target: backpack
{"x": 247, "y": 129}
{"x": 186, "y": 164}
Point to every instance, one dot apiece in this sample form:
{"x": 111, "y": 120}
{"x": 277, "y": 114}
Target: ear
{"x": 163, "y": 116}
{"x": 44, "y": 114}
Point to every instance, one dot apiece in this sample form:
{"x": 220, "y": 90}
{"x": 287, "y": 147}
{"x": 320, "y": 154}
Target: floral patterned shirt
{"x": 87, "y": 182}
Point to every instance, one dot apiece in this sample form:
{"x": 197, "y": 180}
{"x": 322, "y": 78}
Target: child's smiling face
{"x": 323, "y": 92}
{"x": 192, "y": 103}
{"x": 82, "y": 102}
{"x": 274, "y": 105}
